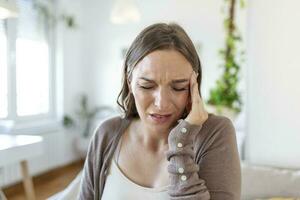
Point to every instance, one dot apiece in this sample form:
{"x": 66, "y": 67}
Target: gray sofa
{"x": 266, "y": 182}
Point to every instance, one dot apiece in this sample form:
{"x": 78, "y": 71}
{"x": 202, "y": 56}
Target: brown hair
{"x": 158, "y": 36}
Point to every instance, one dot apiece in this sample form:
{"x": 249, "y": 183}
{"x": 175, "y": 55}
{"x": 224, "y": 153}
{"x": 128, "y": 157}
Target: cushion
{"x": 260, "y": 182}
{"x": 280, "y": 198}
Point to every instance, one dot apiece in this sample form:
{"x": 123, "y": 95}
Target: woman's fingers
{"x": 195, "y": 97}
{"x": 197, "y": 114}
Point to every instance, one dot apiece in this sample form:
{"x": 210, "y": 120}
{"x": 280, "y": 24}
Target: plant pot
{"x": 222, "y": 110}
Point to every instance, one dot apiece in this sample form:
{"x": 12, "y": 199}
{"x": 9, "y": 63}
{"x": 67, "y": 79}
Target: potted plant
{"x": 224, "y": 99}
{"x": 84, "y": 117}
{"x": 85, "y": 122}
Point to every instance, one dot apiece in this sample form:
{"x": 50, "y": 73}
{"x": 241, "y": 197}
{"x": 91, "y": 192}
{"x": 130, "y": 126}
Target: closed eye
{"x": 176, "y": 89}
{"x": 181, "y": 89}
{"x": 147, "y": 88}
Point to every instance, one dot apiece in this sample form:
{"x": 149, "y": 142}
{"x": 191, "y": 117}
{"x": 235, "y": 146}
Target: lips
{"x": 160, "y": 115}
{"x": 159, "y": 118}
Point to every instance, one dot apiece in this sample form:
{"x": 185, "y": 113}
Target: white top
{"x": 120, "y": 187}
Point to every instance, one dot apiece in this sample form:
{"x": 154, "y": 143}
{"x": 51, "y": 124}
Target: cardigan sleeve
{"x": 216, "y": 182}
{"x": 86, "y": 191}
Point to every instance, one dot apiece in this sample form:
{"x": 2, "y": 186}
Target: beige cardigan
{"x": 204, "y": 161}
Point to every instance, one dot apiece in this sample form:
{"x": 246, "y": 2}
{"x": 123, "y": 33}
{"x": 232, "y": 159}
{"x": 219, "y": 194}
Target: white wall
{"x": 273, "y": 83}
{"x": 70, "y": 47}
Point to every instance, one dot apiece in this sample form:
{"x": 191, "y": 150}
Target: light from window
{"x": 32, "y": 75}
{"x": 3, "y": 72}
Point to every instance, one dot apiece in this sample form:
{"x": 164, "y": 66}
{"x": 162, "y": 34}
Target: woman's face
{"x": 160, "y": 86}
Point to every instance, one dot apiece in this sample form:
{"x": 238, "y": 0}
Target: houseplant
{"x": 84, "y": 116}
{"x": 224, "y": 98}
{"x": 85, "y": 121}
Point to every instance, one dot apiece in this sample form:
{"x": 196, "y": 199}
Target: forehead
{"x": 163, "y": 65}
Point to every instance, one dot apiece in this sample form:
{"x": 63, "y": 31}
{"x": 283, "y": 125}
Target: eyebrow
{"x": 173, "y": 81}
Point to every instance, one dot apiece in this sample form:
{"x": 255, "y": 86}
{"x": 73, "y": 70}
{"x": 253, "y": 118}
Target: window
{"x": 26, "y": 77}
{"x": 3, "y": 71}
{"x": 32, "y": 62}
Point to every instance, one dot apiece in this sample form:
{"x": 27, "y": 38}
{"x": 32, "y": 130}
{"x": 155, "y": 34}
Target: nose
{"x": 162, "y": 99}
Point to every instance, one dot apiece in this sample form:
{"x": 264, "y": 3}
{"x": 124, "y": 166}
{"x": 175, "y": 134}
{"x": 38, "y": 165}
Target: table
{"x": 19, "y": 149}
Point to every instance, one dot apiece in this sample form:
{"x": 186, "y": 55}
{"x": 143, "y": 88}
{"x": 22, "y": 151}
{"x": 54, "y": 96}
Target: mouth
{"x": 160, "y": 118}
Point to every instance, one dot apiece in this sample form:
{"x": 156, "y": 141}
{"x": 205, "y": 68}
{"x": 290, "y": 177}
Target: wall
{"x": 273, "y": 92}
{"x": 70, "y": 47}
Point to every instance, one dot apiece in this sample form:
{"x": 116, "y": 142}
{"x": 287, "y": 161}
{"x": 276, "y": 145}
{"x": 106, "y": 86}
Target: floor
{"x": 47, "y": 184}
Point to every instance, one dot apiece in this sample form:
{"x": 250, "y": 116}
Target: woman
{"x": 166, "y": 146}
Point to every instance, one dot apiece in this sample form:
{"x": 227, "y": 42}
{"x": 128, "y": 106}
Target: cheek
{"x": 141, "y": 98}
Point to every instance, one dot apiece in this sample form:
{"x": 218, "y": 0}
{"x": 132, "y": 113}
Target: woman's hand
{"x": 197, "y": 114}
{"x": 193, "y": 122}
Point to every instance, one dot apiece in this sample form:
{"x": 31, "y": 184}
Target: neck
{"x": 151, "y": 139}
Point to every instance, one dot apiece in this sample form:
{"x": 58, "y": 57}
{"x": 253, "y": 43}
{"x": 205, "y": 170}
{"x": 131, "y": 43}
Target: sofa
{"x": 262, "y": 182}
